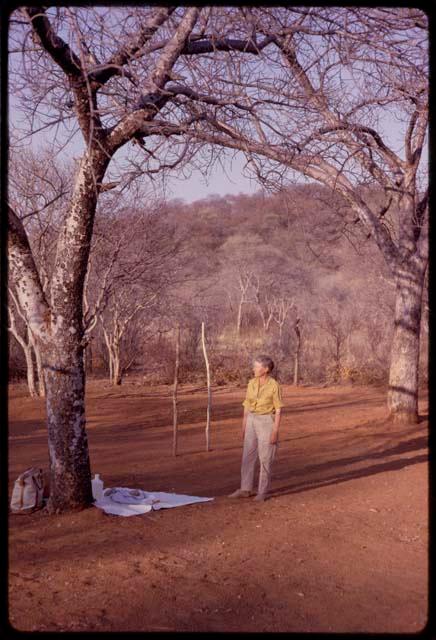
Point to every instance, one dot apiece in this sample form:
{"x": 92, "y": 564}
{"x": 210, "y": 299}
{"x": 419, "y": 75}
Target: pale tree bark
{"x": 110, "y": 350}
{"x": 30, "y": 370}
{"x": 27, "y": 349}
{"x": 265, "y": 303}
{"x": 121, "y": 314}
{"x": 113, "y": 347}
{"x": 117, "y": 379}
{"x": 176, "y": 382}
{"x": 92, "y": 313}
{"x": 209, "y": 390}
{"x": 110, "y": 356}
{"x": 297, "y": 352}
{"x": 29, "y": 346}
{"x": 282, "y": 307}
{"x": 24, "y": 342}
{"x": 39, "y": 369}
{"x": 244, "y": 281}
{"x": 40, "y": 185}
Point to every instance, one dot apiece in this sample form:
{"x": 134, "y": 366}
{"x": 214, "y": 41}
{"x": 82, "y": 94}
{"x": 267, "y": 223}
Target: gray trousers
{"x": 257, "y": 444}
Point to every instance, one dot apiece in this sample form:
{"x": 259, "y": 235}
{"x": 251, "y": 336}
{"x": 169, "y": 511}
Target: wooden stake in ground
{"x": 297, "y": 351}
{"x": 176, "y": 381}
{"x": 209, "y": 394}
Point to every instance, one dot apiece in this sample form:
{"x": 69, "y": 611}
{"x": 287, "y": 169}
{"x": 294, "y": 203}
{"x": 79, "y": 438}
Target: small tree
{"x": 25, "y": 342}
{"x": 338, "y": 326}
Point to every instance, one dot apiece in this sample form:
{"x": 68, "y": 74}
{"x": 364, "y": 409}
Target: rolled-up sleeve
{"x": 277, "y": 397}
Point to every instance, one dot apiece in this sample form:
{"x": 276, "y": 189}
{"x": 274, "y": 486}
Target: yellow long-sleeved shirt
{"x": 265, "y": 398}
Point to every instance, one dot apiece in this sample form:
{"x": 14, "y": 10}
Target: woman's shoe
{"x": 261, "y": 497}
{"x": 239, "y": 493}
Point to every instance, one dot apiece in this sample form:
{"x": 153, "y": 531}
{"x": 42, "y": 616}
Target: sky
{"x": 232, "y": 181}
{"x": 226, "y": 178}
{"x": 222, "y": 180}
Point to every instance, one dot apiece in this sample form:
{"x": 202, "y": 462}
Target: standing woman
{"x": 260, "y": 428}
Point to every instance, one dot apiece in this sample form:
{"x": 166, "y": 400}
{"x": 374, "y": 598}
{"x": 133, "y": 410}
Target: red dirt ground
{"x": 340, "y": 546}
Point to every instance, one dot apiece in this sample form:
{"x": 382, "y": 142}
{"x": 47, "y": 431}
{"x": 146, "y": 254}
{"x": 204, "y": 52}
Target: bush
{"x": 366, "y": 374}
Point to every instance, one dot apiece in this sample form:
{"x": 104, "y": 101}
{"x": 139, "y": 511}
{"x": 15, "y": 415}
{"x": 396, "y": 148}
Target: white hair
{"x": 265, "y": 361}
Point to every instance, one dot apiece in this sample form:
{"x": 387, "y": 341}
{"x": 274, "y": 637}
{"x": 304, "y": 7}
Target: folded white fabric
{"x": 129, "y": 496}
{"x": 122, "y": 501}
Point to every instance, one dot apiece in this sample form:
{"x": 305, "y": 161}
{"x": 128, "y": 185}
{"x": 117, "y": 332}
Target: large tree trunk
{"x": 70, "y": 473}
{"x": 59, "y": 333}
{"x": 403, "y": 374}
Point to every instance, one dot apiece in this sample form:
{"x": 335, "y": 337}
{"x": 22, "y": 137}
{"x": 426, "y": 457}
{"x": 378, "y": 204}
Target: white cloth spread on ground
{"x": 122, "y": 501}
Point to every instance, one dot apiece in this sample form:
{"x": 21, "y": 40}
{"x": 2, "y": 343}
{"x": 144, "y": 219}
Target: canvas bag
{"x": 27, "y": 494}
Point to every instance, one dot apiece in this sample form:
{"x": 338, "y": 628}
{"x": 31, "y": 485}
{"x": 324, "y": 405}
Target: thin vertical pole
{"x": 176, "y": 382}
{"x": 209, "y": 393}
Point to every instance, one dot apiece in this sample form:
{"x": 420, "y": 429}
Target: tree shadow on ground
{"x": 216, "y": 473}
{"x": 338, "y": 478}
{"x": 310, "y": 476}
{"x": 406, "y": 446}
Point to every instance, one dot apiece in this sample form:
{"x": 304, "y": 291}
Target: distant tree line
{"x": 268, "y": 272}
